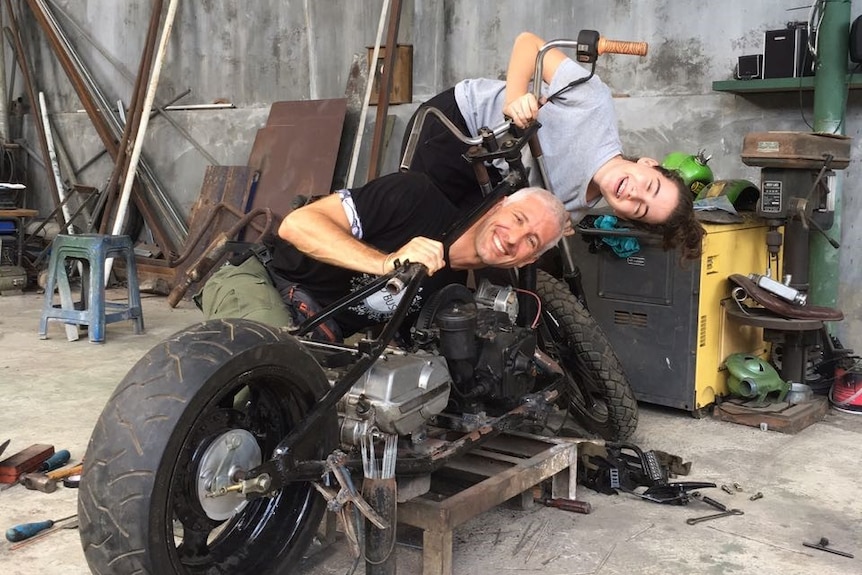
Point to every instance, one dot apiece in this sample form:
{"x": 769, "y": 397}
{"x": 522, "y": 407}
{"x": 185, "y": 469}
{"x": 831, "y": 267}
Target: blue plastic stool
{"x": 91, "y": 250}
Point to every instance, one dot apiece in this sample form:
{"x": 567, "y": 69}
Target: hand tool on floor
{"x": 59, "y": 459}
{"x": 728, "y": 513}
{"x": 24, "y": 461}
{"x": 47, "y": 482}
{"x": 27, "y": 530}
{"x": 71, "y": 524}
{"x": 710, "y": 501}
{"x": 823, "y": 545}
{"x": 566, "y": 504}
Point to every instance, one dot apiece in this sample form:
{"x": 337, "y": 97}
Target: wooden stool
{"x": 92, "y": 250}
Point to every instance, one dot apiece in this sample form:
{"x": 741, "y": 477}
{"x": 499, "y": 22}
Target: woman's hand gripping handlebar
{"x": 523, "y": 110}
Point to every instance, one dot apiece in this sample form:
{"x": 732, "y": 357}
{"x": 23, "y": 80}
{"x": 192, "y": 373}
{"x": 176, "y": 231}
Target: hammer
{"x": 47, "y": 482}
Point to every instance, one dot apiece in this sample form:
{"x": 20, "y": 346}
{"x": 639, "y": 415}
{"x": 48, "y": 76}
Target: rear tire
{"x": 610, "y": 410}
{"x": 221, "y": 394}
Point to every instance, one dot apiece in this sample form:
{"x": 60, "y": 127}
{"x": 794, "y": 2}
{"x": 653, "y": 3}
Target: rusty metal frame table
{"x": 531, "y": 459}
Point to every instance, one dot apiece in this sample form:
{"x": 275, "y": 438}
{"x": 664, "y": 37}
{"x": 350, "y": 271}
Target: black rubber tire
{"x": 584, "y": 351}
{"x": 139, "y": 477}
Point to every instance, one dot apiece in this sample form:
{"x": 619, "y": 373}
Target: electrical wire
{"x": 535, "y": 323}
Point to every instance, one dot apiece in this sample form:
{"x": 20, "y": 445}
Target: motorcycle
{"x": 222, "y": 448}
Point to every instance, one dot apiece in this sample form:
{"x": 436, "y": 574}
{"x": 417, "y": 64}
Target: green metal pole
{"x": 830, "y": 91}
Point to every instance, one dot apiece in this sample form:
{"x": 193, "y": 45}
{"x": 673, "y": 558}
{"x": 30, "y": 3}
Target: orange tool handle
{"x": 65, "y": 471}
{"x": 606, "y": 46}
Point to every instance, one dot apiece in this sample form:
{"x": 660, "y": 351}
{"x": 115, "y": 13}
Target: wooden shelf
{"x": 761, "y": 86}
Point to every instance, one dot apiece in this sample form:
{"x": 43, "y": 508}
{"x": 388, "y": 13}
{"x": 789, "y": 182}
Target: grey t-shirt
{"x": 578, "y": 133}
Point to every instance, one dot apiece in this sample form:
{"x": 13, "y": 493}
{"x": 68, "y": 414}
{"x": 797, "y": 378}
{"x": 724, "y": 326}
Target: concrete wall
{"x": 254, "y": 53}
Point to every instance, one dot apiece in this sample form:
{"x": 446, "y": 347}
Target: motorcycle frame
{"x": 502, "y": 142}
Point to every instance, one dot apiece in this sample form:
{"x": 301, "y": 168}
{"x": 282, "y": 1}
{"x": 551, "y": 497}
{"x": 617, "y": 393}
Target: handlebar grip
{"x": 606, "y": 46}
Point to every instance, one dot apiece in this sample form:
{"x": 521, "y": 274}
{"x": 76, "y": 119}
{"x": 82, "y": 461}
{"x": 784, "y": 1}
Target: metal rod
{"x": 55, "y": 166}
{"x": 142, "y": 129}
{"x": 170, "y": 228}
{"x": 31, "y": 95}
{"x": 357, "y": 142}
{"x": 383, "y": 89}
{"x": 130, "y": 128}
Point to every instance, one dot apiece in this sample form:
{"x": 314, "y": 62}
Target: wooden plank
{"x": 778, "y": 416}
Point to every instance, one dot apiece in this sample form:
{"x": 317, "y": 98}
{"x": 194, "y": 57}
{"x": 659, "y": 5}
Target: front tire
{"x": 597, "y": 392}
{"x": 207, "y": 403}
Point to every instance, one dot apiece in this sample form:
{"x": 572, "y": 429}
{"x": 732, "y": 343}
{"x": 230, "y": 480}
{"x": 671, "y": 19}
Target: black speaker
{"x": 749, "y": 67}
{"x": 785, "y": 54}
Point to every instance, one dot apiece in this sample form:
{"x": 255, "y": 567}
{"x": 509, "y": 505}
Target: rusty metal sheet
{"x": 295, "y": 152}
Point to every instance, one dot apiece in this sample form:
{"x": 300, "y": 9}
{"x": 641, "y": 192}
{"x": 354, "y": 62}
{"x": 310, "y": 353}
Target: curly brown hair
{"x": 681, "y": 229}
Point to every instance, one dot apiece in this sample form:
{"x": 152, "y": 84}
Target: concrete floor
{"x": 53, "y": 392}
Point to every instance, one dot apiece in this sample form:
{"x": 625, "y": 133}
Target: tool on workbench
{"x": 47, "y": 482}
{"x": 24, "y": 461}
{"x": 26, "y": 530}
{"x": 823, "y": 545}
{"x": 59, "y": 459}
{"x": 566, "y": 504}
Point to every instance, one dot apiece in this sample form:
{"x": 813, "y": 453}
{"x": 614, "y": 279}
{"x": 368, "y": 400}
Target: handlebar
{"x": 588, "y": 45}
{"x": 607, "y": 46}
{"x": 413, "y": 140}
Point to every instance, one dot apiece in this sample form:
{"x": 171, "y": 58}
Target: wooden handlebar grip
{"x": 606, "y": 46}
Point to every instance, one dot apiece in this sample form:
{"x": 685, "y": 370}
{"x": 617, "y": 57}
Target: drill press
{"x": 796, "y": 168}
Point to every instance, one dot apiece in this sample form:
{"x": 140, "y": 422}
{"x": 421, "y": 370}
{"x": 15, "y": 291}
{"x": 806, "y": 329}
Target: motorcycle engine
{"x": 486, "y": 365}
{"x": 398, "y": 394}
{"x": 489, "y": 357}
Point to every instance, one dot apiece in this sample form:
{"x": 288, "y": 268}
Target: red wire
{"x": 538, "y": 303}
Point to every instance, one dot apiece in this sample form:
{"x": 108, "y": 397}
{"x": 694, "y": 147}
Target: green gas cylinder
{"x": 692, "y": 169}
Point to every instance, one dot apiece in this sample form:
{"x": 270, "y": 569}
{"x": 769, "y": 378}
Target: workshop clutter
{"x": 38, "y": 468}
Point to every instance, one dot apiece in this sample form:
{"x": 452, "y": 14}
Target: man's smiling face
{"x": 514, "y": 234}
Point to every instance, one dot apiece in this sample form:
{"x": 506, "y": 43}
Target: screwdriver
{"x": 59, "y": 459}
{"x": 27, "y": 530}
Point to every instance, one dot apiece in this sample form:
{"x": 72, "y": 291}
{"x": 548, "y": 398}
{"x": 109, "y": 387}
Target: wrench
{"x": 695, "y": 520}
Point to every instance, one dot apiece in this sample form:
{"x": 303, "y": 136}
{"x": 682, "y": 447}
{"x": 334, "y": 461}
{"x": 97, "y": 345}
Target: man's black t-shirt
{"x": 389, "y": 211}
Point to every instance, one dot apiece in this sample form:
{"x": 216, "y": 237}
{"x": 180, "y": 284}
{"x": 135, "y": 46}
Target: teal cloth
{"x": 622, "y": 246}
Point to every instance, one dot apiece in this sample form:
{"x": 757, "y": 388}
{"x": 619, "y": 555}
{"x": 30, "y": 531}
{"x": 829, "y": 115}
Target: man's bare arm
{"x": 321, "y": 230}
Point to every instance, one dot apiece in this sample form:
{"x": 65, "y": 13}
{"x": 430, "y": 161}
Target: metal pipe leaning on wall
{"x": 164, "y": 220}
